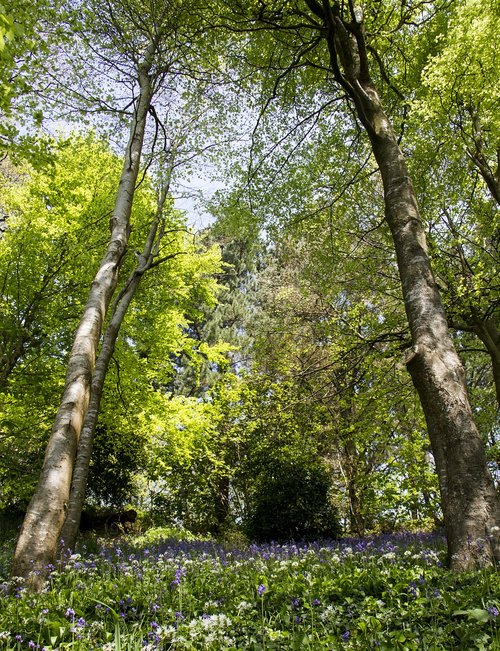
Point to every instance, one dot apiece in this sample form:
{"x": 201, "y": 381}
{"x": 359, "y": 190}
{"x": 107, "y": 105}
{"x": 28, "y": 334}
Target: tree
{"x": 45, "y": 516}
{"x": 166, "y": 240}
{"x": 148, "y": 257}
{"x": 326, "y": 328}
{"x": 333, "y": 38}
{"x": 281, "y": 480}
{"x": 457, "y": 166}
{"x": 224, "y": 323}
{"x": 55, "y": 229}
{"x": 147, "y": 62}
{"x": 461, "y": 223}
{"x": 25, "y": 42}
{"x": 45, "y": 241}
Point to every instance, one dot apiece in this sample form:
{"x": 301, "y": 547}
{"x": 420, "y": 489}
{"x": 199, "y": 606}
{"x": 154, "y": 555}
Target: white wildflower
{"x": 244, "y": 605}
{"x": 329, "y": 614}
{"x": 389, "y": 556}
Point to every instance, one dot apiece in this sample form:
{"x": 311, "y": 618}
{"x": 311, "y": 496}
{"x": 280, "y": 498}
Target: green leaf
{"x": 478, "y": 614}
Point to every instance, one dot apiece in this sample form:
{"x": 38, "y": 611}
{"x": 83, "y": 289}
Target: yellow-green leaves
{"x": 6, "y": 28}
{"x": 466, "y": 68}
{"x": 9, "y": 30}
{"x": 460, "y": 91}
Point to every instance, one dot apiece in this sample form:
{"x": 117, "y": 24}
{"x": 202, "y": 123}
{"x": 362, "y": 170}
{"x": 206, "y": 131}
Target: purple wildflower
{"x": 177, "y": 578}
{"x": 70, "y": 614}
{"x": 493, "y": 611}
{"x": 261, "y": 589}
{"x": 412, "y": 588}
{"x": 346, "y": 635}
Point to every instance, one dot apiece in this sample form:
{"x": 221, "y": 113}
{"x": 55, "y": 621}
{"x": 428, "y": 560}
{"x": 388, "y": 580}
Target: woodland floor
{"x": 149, "y": 592}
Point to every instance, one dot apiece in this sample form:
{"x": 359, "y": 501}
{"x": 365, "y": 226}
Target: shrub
{"x": 291, "y": 502}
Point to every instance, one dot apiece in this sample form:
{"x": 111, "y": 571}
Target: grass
{"x": 387, "y": 593}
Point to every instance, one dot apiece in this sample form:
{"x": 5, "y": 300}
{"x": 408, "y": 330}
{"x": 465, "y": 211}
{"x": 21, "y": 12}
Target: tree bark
{"x": 221, "y": 503}
{"x": 37, "y": 543}
{"x": 69, "y": 532}
{"x": 356, "y": 518}
{"x": 470, "y": 502}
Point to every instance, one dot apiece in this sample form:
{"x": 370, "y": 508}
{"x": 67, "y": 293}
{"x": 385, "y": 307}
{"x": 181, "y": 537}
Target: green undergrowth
{"x": 390, "y": 592}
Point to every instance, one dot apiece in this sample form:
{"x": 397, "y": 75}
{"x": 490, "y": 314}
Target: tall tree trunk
{"x": 37, "y": 543}
{"x": 69, "y": 532}
{"x": 471, "y": 505}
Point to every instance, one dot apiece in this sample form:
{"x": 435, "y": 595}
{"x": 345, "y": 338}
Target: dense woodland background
{"x": 258, "y": 383}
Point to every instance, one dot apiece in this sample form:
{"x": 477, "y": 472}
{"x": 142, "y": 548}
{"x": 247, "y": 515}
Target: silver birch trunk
{"x": 471, "y": 505}
{"x": 37, "y": 543}
{"x": 69, "y": 532}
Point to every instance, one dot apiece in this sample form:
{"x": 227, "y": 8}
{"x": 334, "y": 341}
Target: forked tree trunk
{"x": 37, "y": 543}
{"x": 471, "y": 505}
{"x": 69, "y": 532}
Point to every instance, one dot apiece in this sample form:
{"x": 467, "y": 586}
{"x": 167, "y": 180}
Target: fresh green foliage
{"x": 462, "y": 75}
{"x": 388, "y": 593}
{"x": 24, "y": 44}
{"x": 262, "y": 388}
{"x": 327, "y": 378}
{"x": 8, "y": 30}
{"x": 56, "y": 227}
{"x": 56, "y": 222}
